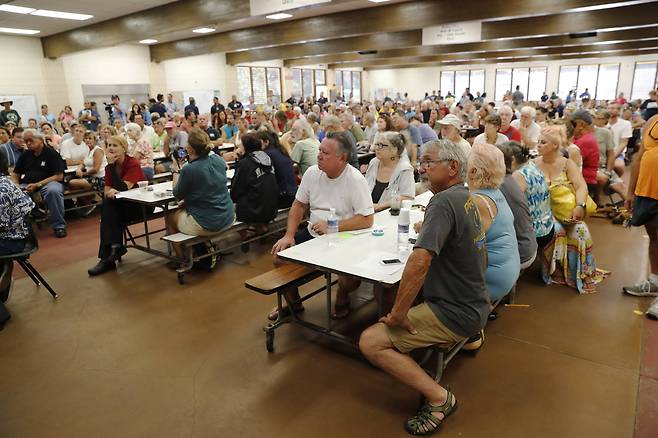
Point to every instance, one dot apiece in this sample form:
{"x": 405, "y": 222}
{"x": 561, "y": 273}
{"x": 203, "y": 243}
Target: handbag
{"x": 563, "y": 201}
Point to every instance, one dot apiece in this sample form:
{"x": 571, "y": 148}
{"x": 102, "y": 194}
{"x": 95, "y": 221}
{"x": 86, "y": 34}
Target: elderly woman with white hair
{"x": 306, "y": 147}
{"x": 527, "y": 127}
{"x": 370, "y": 127}
{"x": 485, "y": 175}
{"x": 140, "y": 148}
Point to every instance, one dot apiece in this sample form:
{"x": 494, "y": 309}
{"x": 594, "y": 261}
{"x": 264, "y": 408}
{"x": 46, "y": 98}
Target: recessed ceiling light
{"x": 279, "y": 16}
{"x": 204, "y": 30}
{"x": 148, "y": 41}
{"x": 19, "y": 31}
{"x": 64, "y": 15}
{"x": 16, "y": 9}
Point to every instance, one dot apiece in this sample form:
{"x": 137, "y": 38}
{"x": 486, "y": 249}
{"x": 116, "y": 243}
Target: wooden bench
{"x": 278, "y": 281}
{"x": 221, "y": 241}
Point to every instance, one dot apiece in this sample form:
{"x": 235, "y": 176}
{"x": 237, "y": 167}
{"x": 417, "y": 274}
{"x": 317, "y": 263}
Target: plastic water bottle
{"x": 403, "y": 230}
{"x": 332, "y": 227}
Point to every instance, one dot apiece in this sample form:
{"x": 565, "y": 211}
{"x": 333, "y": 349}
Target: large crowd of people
{"x": 513, "y": 184}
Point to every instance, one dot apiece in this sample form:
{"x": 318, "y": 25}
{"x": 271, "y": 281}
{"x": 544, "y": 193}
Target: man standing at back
{"x": 402, "y": 125}
{"x": 448, "y": 262}
{"x": 333, "y": 183}
{"x": 517, "y": 96}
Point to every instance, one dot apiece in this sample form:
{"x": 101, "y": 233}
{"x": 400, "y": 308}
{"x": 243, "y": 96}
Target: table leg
{"x": 146, "y": 227}
{"x": 327, "y": 277}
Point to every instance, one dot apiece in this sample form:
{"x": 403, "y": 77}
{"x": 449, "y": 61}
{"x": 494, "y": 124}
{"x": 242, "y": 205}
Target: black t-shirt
{"x": 9, "y": 116}
{"x": 291, "y": 101}
{"x": 235, "y": 104}
{"x": 33, "y": 169}
{"x": 322, "y": 101}
{"x": 192, "y": 108}
{"x": 212, "y": 133}
{"x": 216, "y": 108}
{"x": 378, "y": 191}
{"x": 158, "y": 108}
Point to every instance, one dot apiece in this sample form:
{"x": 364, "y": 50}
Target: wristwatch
{"x": 584, "y": 205}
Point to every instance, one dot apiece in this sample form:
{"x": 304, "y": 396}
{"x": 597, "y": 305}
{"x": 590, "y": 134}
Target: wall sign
{"x": 263, "y": 7}
{"x": 453, "y": 33}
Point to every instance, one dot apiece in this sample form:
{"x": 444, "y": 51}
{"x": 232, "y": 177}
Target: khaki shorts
{"x": 430, "y": 330}
{"x": 188, "y": 225}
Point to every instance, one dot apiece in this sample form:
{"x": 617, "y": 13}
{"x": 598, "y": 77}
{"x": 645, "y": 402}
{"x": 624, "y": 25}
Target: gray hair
{"x": 133, "y": 127}
{"x": 448, "y": 151}
{"x": 35, "y": 133}
{"x": 368, "y": 118}
{"x": 396, "y": 139}
{"x": 305, "y": 127}
{"x": 530, "y": 111}
{"x": 330, "y": 121}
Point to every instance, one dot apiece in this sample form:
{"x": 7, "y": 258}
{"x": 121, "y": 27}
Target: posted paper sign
{"x": 453, "y": 33}
{"x": 264, "y": 7}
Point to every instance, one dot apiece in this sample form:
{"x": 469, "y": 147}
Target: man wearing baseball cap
{"x": 451, "y": 130}
{"x": 8, "y": 114}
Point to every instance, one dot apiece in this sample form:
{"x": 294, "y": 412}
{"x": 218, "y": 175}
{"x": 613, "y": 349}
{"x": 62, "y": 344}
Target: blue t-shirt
{"x": 283, "y": 169}
{"x": 91, "y": 125}
{"x": 230, "y": 131}
{"x": 202, "y": 185}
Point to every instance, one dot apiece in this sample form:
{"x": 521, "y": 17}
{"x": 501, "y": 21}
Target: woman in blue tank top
{"x": 486, "y": 171}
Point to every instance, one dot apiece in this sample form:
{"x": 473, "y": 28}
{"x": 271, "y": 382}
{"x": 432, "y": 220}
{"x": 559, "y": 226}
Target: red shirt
{"x": 131, "y": 171}
{"x": 512, "y": 133}
{"x": 589, "y": 149}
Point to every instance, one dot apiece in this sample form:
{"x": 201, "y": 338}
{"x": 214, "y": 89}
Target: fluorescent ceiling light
{"x": 16, "y": 9}
{"x": 377, "y": 1}
{"x": 64, "y": 15}
{"x": 148, "y": 41}
{"x": 279, "y": 16}
{"x": 204, "y": 30}
{"x": 19, "y": 31}
{"x": 606, "y": 6}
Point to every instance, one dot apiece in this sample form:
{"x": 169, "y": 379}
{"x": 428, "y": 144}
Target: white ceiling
{"x": 101, "y": 10}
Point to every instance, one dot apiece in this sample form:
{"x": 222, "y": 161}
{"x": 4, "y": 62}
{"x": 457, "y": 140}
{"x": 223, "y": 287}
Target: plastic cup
{"x": 142, "y": 185}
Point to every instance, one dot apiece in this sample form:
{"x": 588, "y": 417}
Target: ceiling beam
{"x": 375, "y": 41}
{"x": 631, "y": 52}
{"x": 516, "y": 53}
{"x": 493, "y": 45}
{"x": 393, "y": 18}
{"x": 173, "y": 17}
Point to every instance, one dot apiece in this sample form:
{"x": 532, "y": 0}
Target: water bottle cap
{"x": 407, "y": 204}
{"x": 404, "y": 216}
{"x": 332, "y": 210}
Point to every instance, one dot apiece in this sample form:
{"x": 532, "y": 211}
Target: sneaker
{"x": 652, "y": 311}
{"x": 474, "y": 342}
{"x": 643, "y": 289}
{"x": 60, "y": 232}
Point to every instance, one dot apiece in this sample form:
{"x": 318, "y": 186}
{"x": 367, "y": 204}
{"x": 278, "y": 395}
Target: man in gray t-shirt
{"x": 449, "y": 262}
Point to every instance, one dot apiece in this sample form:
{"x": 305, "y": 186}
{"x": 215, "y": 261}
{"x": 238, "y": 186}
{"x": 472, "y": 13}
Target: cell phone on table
{"x": 391, "y": 262}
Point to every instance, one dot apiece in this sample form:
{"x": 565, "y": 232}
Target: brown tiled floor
{"x": 133, "y": 354}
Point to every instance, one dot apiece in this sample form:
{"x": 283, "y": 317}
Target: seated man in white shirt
{"x": 74, "y": 150}
{"x": 333, "y": 183}
{"x": 527, "y": 127}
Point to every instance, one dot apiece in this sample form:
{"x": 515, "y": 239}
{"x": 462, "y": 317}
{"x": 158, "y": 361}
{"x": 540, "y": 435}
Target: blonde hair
{"x": 120, "y": 140}
{"x": 489, "y": 164}
{"x": 556, "y": 134}
{"x": 113, "y": 130}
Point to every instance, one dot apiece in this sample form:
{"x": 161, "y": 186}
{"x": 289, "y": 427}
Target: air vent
{"x": 583, "y": 35}
{"x": 367, "y": 52}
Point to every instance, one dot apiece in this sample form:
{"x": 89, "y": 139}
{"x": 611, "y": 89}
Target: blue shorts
{"x": 302, "y": 236}
{"x": 645, "y": 210}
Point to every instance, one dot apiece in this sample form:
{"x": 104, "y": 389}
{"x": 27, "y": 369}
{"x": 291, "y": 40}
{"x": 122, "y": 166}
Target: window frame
{"x": 470, "y": 75}
{"x": 655, "y": 78}
{"x": 598, "y": 73}
{"x": 526, "y": 92}
{"x": 267, "y": 85}
{"x": 314, "y": 80}
{"x": 350, "y": 73}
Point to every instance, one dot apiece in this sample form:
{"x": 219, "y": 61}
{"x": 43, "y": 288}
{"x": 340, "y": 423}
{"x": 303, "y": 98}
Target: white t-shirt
{"x": 620, "y": 130}
{"x": 148, "y": 133}
{"x": 69, "y": 150}
{"x": 348, "y": 194}
{"x": 533, "y": 130}
{"x": 482, "y": 139}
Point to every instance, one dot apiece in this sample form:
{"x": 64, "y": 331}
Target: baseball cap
{"x": 583, "y": 115}
{"x": 451, "y": 119}
{"x": 170, "y": 125}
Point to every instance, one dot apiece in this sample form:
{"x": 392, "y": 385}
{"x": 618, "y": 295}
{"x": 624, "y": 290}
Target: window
{"x": 530, "y": 80}
{"x": 503, "y": 82}
{"x": 600, "y": 80}
{"x": 350, "y": 81}
{"x": 644, "y": 79}
{"x": 261, "y": 83}
{"x": 306, "y": 82}
{"x": 455, "y": 82}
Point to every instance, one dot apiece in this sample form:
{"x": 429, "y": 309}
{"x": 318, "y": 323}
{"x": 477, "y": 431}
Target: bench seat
{"x": 281, "y": 278}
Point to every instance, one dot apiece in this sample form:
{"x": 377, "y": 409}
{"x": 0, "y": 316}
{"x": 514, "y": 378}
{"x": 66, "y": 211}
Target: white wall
{"x": 203, "y": 72}
{"x": 417, "y": 81}
{"x": 125, "y": 64}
